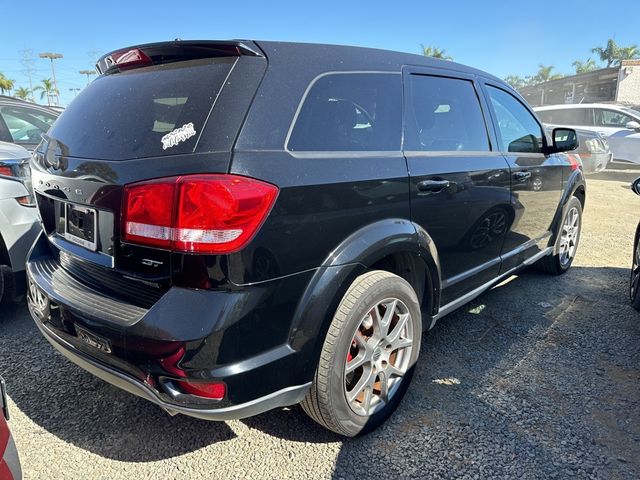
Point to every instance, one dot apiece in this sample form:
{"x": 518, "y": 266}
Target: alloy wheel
{"x": 378, "y": 357}
{"x": 569, "y": 236}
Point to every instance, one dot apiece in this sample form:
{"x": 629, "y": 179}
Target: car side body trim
{"x": 451, "y": 306}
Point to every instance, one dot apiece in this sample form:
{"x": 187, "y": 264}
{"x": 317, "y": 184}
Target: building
{"x": 619, "y": 84}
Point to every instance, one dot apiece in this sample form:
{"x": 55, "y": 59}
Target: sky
{"x": 501, "y": 38}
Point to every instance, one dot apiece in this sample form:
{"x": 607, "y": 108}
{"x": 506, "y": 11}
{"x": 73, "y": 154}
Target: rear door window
{"x": 518, "y": 128}
{"x": 568, "y": 116}
{"x": 350, "y": 112}
{"x": 151, "y": 111}
{"x": 611, "y": 118}
{"x": 444, "y": 114}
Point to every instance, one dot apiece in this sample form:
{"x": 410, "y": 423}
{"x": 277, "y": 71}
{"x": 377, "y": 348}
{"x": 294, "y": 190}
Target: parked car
{"x": 18, "y": 219}
{"x": 634, "y": 287}
{"x": 24, "y": 122}
{"x": 226, "y": 259}
{"x": 620, "y": 125}
{"x": 9, "y": 460}
{"x": 56, "y": 108}
{"x": 593, "y": 149}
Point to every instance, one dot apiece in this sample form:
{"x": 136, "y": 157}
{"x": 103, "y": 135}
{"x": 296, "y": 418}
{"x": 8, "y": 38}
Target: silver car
{"x": 620, "y": 125}
{"x": 593, "y": 149}
{"x": 18, "y": 219}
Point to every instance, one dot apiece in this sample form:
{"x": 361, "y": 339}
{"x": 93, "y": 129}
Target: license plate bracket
{"x": 80, "y": 226}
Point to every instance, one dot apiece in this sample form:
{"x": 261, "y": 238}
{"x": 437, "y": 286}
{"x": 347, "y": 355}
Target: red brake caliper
{"x": 349, "y": 356}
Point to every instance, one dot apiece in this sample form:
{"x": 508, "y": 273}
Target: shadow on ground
{"x": 513, "y": 382}
{"x": 533, "y": 385}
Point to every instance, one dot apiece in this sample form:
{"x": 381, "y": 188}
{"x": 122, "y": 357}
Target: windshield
{"x": 633, "y": 112}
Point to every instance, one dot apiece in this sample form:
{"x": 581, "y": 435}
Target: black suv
{"x": 235, "y": 226}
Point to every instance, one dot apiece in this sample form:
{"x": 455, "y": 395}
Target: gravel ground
{"x": 538, "y": 378}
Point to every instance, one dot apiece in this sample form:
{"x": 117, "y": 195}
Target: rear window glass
{"x": 350, "y": 112}
{"x": 145, "y": 112}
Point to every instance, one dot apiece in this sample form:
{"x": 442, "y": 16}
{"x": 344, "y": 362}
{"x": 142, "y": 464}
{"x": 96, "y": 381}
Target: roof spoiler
{"x": 177, "y": 50}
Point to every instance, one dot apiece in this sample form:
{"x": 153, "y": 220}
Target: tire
{"x": 356, "y": 339}
{"x": 559, "y": 263}
{"x": 7, "y": 285}
{"x": 634, "y": 283}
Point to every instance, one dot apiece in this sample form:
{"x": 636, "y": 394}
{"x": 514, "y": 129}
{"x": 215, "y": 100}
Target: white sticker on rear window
{"x": 178, "y": 135}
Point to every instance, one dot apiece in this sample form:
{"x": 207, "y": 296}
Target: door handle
{"x": 522, "y": 176}
{"x": 433, "y": 185}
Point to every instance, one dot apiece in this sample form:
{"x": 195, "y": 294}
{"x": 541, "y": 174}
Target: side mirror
{"x": 635, "y": 186}
{"x": 564, "y": 140}
{"x": 632, "y": 125}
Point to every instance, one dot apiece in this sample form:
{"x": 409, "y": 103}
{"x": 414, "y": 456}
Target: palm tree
{"x": 435, "y": 52}
{"x": 544, "y": 74}
{"x": 613, "y": 53}
{"x": 628, "y": 53}
{"x": 516, "y": 81}
{"x": 47, "y": 89}
{"x": 584, "y": 67}
{"x": 609, "y": 53}
{"x": 22, "y": 93}
{"x": 6, "y": 85}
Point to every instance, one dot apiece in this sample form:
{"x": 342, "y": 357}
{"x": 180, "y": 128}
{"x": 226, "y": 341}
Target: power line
{"x": 28, "y": 64}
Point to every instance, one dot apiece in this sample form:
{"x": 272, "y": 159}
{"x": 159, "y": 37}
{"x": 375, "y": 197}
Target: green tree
{"x": 613, "y": 54}
{"x": 584, "y": 67}
{"x": 47, "y": 89}
{"x": 609, "y": 53}
{"x": 544, "y": 74}
{"x": 628, "y": 53}
{"x": 6, "y": 85}
{"x": 435, "y": 52}
{"x": 516, "y": 81}
{"x": 22, "y": 93}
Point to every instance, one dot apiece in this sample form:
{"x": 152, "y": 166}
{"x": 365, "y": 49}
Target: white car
{"x": 19, "y": 223}
{"x": 619, "y": 125}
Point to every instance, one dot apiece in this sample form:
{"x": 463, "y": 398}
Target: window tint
{"x": 143, "y": 112}
{"x": 611, "y": 118}
{"x": 26, "y": 125}
{"x": 444, "y": 115}
{"x": 519, "y": 129}
{"x": 350, "y": 112}
{"x": 567, "y": 116}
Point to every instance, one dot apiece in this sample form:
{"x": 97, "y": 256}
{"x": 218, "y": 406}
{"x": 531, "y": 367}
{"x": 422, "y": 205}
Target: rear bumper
{"x": 595, "y": 162}
{"x": 239, "y": 337}
{"x": 281, "y": 398}
{"x": 9, "y": 460}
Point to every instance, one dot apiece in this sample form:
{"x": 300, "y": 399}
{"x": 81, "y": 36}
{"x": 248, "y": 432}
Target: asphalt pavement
{"x": 537, "y": 378}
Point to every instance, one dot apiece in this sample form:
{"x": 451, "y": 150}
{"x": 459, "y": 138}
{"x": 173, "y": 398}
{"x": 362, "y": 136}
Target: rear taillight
{"x": 574, "y": 161}
{"x": 196, "y": 213}
{"x": 21, "y": 171}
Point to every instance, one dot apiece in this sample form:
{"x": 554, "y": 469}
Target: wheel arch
{"x": 395, "y": 245}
